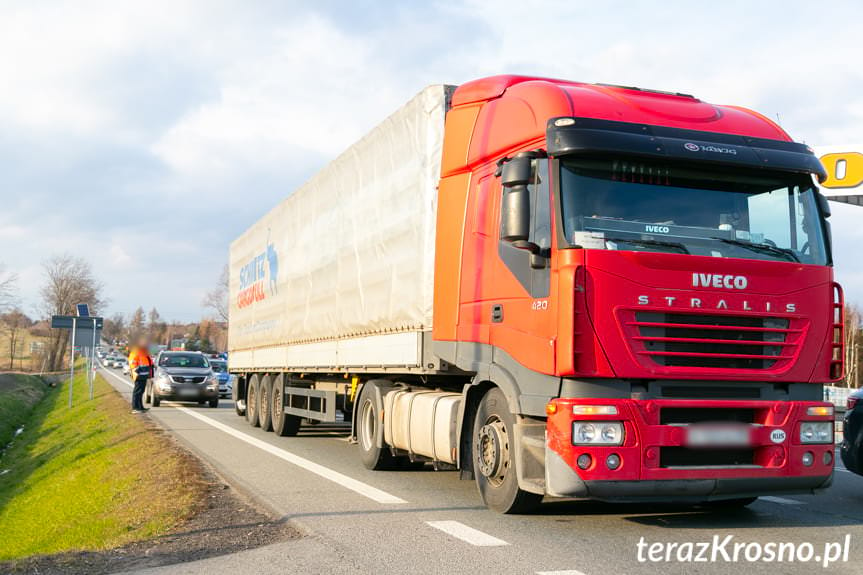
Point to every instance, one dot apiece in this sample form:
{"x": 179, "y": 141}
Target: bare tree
{"x": 136, "y": 324}
{"x": 217, "y": 299}
{"x": 8, "y": 288}
{"x": 68, "y": 281}
{"x": 13, "y": 325}
{"x": 155, "y": 326}
{"x": 115, "y": 327}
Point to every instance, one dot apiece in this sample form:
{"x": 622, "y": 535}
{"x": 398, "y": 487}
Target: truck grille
{"x": 712, "y": 341}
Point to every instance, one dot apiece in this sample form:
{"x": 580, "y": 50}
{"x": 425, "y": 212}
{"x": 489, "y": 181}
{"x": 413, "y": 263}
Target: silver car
{"x": 183, "y": 376}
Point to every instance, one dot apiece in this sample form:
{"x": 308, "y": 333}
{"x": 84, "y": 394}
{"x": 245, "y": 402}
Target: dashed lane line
{"x": 354, "y": 485}
{"x": 467, "y": 534}
{"x": 781, "y": 500}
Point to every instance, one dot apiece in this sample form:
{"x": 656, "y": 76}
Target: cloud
{"x": 147, "y": 135}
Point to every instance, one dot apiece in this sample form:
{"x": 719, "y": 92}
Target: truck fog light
{"x": 584, "y": 460}
{"x": 586, "y": 433}
{"x": 808, "y": 459}
{"x": 816, "y": 432}
{"x": 612, "y": 461}
{"x": 828, "y": 457}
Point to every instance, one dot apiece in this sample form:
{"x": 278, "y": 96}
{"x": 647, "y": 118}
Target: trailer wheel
{"x": 264, "y": 413}
{"x": 252, "y": 402}
{"x": 370, "y": 430}
{"x": 284, "y": 425}
{"x": 494, "y": 457}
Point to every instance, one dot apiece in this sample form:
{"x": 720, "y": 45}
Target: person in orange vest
{"x": 140, "y": 370}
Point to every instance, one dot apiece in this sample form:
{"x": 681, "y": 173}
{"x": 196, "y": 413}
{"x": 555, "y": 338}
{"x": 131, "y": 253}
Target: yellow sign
{"x": 844, "y": 170}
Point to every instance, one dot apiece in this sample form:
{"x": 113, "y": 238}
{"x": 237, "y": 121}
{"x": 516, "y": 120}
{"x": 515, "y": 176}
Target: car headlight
{"x": 597, "y": 432}
{"x": 816, "y": 432}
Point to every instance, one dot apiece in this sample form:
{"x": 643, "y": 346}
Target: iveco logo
{"x": 691, "y": 147}
{"x": 718, "y": 281}
{"x": 656, "y": 229}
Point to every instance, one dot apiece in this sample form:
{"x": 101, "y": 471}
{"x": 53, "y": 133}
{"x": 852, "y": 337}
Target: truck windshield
{"x": 621, "y": 204}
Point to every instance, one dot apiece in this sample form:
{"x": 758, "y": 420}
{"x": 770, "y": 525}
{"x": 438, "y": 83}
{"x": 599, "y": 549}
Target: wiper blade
{"x": 678, "y": 246}
{"x": 762, "y": 248}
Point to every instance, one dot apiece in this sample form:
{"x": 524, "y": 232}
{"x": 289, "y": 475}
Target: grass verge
{"x": 92, "y": 477}
{"x": 18, "y": 394}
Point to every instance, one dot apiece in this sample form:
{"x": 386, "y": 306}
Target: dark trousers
{"x": 138, "y": 392}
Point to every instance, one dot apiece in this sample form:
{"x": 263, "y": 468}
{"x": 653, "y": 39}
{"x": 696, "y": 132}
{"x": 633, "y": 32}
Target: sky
{"x": 145, "y": 136}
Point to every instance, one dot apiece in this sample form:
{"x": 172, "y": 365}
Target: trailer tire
{"x": 375, "y": 455}
{"x": 252, "y": 402}
{"x": 264, "y": 409}
{"x": 494, "y": 459}
{"x": 284, "y": 425}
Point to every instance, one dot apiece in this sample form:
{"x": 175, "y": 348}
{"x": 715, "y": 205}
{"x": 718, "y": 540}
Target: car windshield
{"x": 183, "y": 360}
{"x": 218, "y": 366}
{"x": 620, "y": 204}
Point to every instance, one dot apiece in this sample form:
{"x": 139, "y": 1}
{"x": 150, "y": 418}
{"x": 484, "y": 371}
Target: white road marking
{"x": 363, "y": 489}
{"x": 467, "y": 534}
{"x": 781, "y": 500}
{"x": 564, "y": 572}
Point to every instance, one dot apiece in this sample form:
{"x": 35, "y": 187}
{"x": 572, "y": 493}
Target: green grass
{"x": 18, "y": 394}
{"x": 91, "y": 477}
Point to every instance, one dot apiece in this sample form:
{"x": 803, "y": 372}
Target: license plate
{"x": 718, "y": 436}
{"x": 188, "y": 392}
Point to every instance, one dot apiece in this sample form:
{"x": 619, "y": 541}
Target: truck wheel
{"x": 494, "y": 457}
{"x": 252, "y": 402}
{"x": 284, "y": 425}
{"x": 370, "y": 430}
{"x": 264, "y": 413}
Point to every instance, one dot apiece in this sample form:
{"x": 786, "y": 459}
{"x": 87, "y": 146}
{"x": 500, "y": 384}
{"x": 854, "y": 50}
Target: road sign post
{"x": 82, "y": 333}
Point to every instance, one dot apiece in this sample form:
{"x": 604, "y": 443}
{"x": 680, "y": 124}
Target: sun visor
{"x": 568, "y": 136}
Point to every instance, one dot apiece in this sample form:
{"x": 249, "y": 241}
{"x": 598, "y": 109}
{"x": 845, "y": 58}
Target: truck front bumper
{"x": 655, "y": 461}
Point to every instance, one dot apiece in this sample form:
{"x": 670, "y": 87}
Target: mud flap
{"x": 530, "y": 454}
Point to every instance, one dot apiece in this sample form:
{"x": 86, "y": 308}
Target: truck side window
{"x": 535, "y": 281}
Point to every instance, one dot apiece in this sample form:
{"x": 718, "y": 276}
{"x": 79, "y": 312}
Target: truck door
{"x": 521, "y": 309}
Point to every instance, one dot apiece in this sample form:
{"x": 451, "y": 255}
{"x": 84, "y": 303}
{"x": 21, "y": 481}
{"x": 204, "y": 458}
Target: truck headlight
{"x": 597, "y": 432}
{"x": 816, "y": 432}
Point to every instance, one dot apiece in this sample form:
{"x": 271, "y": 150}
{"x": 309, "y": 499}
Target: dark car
{"x": 183, "y": 376}
{"x": 852, "y": 434}
{"x": 220, "y": 367}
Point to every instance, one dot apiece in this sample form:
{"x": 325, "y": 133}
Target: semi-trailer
{"x": 558, "y": 289}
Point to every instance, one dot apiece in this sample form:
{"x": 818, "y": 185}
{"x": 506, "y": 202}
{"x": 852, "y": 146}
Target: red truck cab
{"x": 647, "y": 279}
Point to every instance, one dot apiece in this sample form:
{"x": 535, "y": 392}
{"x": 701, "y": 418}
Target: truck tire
{"x": 284, "y": 425}
{"x": 493, "y": 457}
{"x": 264, "y": 394}
{"x": 252, "y": 401}
{"x": 370, "y": 430}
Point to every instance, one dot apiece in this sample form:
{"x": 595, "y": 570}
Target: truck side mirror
{"x": 823, "y": 204}
{"x": 515, "y": 206}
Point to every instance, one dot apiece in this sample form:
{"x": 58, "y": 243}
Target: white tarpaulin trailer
{"x": 341, "y": 272}
{"x": 844, "y": 165}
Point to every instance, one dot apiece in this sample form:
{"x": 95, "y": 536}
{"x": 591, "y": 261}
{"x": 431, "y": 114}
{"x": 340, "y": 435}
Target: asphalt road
{"x": 361, "y": 521}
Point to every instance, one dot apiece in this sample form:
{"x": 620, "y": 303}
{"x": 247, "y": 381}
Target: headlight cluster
{"x": 597, "y": 432}
{"x": 816, "y": 432}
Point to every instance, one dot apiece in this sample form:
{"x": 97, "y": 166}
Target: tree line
{"x": 69, "y": 280}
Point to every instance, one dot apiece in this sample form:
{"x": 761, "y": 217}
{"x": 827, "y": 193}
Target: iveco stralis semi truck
{"x": 557, "y": 289}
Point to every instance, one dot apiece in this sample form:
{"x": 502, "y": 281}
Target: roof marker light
{"x": 561, "y": 122}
